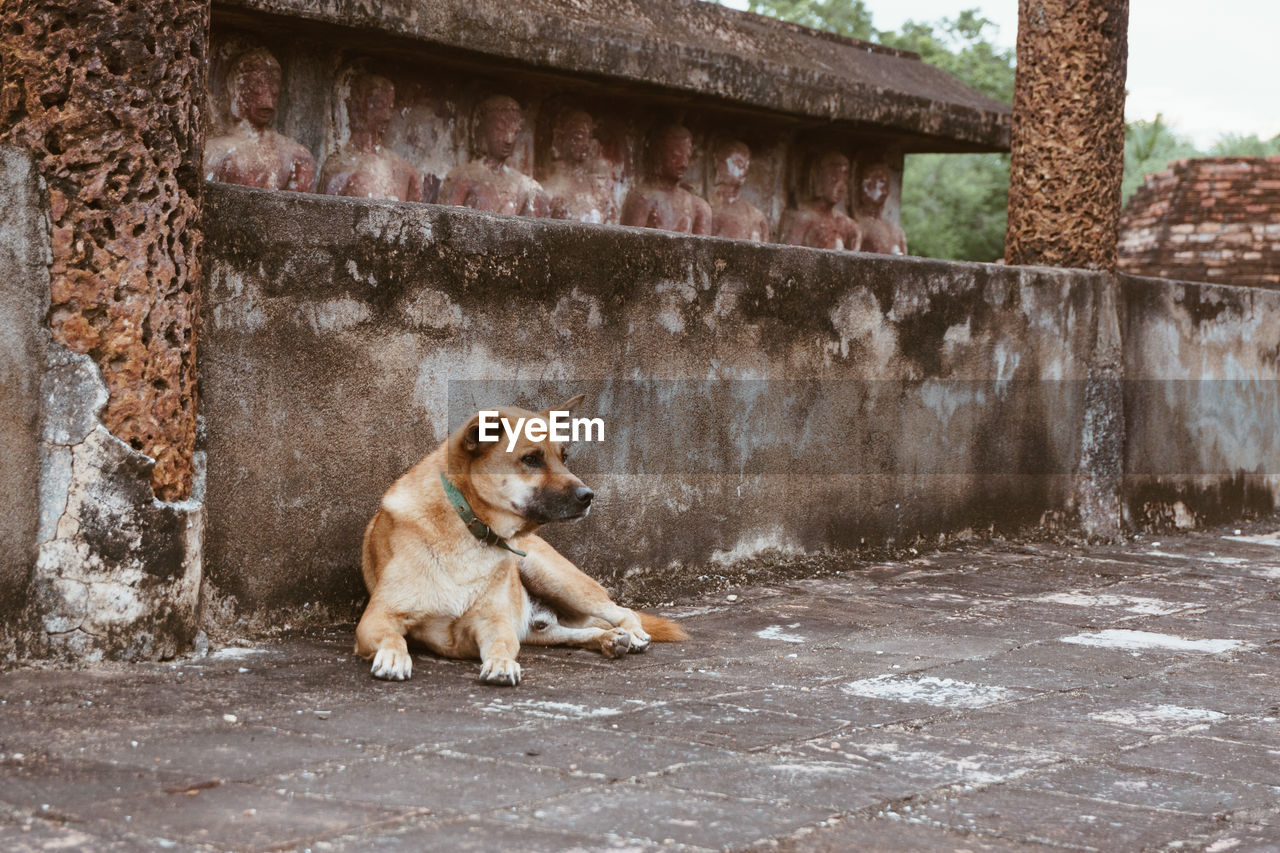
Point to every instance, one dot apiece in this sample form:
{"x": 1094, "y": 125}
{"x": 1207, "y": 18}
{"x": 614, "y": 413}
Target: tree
{"x": 1149, "y": 146}
{"x": 845, "y": 17}
{"x": 954, "y": 205}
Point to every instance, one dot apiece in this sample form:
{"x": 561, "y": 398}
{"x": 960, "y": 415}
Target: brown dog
{"x": 442, "y": 565}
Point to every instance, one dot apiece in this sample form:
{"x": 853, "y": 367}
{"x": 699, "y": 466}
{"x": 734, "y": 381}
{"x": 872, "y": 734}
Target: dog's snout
{"x": 583, "y": 495}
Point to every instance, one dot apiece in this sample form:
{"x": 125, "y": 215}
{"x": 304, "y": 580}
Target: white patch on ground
{"x": 1118, "y": 638}
{"x": 1211, "y": 558}
{"x": 550, "y": 710}
{"x": 1272, "y": 539}
{"x": 1131, "y": 603}
{"x": 776, "y": 632}
{"x": 929, "y": 690}
{"x": 1156, "y": 716}
{"x": 235, "y": 653}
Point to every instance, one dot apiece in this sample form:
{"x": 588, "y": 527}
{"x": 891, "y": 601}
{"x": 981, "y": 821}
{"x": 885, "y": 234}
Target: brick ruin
{"x": 1214, "y": 219}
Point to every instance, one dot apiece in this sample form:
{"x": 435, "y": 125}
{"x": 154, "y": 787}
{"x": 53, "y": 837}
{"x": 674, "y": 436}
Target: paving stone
{"x": 663, "y": 815}
{"x": 732, "y": 726}
{"x": 1213, "y": 759}
{"x": 56, "y": 788}
{"x": 437, "y": 783}
{"x": 926, "y": 761}
{"x": 209, "y": 750}
{"x": 1171, "y": 791}
{"x": 1015, "y": 813}
{"x": 832, "y": 785}
{"x": 935, "y": 643}
{"x": 398, "y": 725}
{"x": 474, "y": 835}
{"x": 1000, "y": 672}
{"x": 896, "y": 834}
{"x": 1257, "y": 730}
{"x": 1029, "y": 728}
{"x": 37, "y": 836}
{"x": 1243, "y": 840}
{"x": 610, "y": 753}
{"x": 239, "y": 817}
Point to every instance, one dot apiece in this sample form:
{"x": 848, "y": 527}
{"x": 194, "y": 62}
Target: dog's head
{"x": 515, "y": 468}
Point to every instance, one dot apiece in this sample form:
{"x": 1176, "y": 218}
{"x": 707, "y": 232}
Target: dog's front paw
{"x": 639, "y": 640}
{"x": 392, "y": 665}
{"x": 615, "y": 643}
{"x": 501, "y": 671}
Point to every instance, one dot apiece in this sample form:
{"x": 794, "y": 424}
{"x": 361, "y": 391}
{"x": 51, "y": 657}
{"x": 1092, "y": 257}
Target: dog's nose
{"x": 583, "y": 495}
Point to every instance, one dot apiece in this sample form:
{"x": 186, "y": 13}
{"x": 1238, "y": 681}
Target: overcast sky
{"x": 1209, "y": 67}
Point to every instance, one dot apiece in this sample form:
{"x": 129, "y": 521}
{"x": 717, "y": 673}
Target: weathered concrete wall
{"x": 24, "y": 298}
{"x": 903, "y": 398}
{"x": 1202, "y": 400}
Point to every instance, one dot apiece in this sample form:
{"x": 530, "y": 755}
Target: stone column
{"x": 107, "y": 98}
{"x": 1068, "y": 133}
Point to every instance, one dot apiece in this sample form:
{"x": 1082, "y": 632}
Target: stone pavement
{"x": 997, "y": 698}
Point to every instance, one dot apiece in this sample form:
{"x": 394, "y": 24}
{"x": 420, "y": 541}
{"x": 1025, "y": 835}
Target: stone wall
{"x": 1209, "y": 219}
{"x": 1202, "y": 401}
{"x": 763, "y": 401}
{"x": 24, "y": 299}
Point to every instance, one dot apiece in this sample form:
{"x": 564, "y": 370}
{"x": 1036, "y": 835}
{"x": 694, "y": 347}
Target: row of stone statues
{"x": 254, "y": 154}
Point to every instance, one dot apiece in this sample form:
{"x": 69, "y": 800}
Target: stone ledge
{"x": 695, "y": 49}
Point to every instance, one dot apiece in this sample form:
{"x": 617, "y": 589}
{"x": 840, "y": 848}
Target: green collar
{"x": 478, "y": 528}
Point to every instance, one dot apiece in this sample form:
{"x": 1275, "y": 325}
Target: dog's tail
{"x": 662, "y": 630}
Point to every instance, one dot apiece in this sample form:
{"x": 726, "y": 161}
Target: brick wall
{"x": 1213, "y": 219}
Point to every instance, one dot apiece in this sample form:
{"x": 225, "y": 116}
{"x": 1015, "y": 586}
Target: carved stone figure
{"x": 661, "y": 201}
{"x": 487, "y": 182}
{"x": 578, "y": 188}
{"x": 732, "y": 215}
{"x": 818, "y": 221}
{"x": 362, "y": 167}
{"x": 253, "y": 154}
{"x": 878, "y": 234}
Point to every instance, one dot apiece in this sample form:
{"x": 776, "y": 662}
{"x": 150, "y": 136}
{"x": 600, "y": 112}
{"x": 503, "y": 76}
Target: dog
{"x": 451, "y": 560}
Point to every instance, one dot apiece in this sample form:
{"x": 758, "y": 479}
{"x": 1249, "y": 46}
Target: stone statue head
{"x": 829, "y": 178}
{"x": 573, "y": 136}
{"x": 733, "y": 158}
{"x": 873, "y": 189}
{"x": 371, "y": 103}
{"x": 670, "y": 148}
{"x": 254, "y": 87}
{"x": 498, "y": 121}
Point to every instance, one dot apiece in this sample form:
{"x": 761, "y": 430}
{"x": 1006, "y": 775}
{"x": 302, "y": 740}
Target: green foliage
{"x": 954, "y": 205}
{"x": 1150, "y": 146}
{"x": 845, "y": 17}
{"x": 1235, "y": 145}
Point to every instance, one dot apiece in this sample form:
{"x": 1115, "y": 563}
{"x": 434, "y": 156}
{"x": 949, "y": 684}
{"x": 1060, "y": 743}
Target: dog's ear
{"x": 568, "y": 405}
{"x": 471, "y": 440}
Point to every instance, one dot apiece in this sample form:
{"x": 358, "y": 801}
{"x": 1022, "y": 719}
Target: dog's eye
{"x": 564, "y": 454}
{"x": 533, "y": 460}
